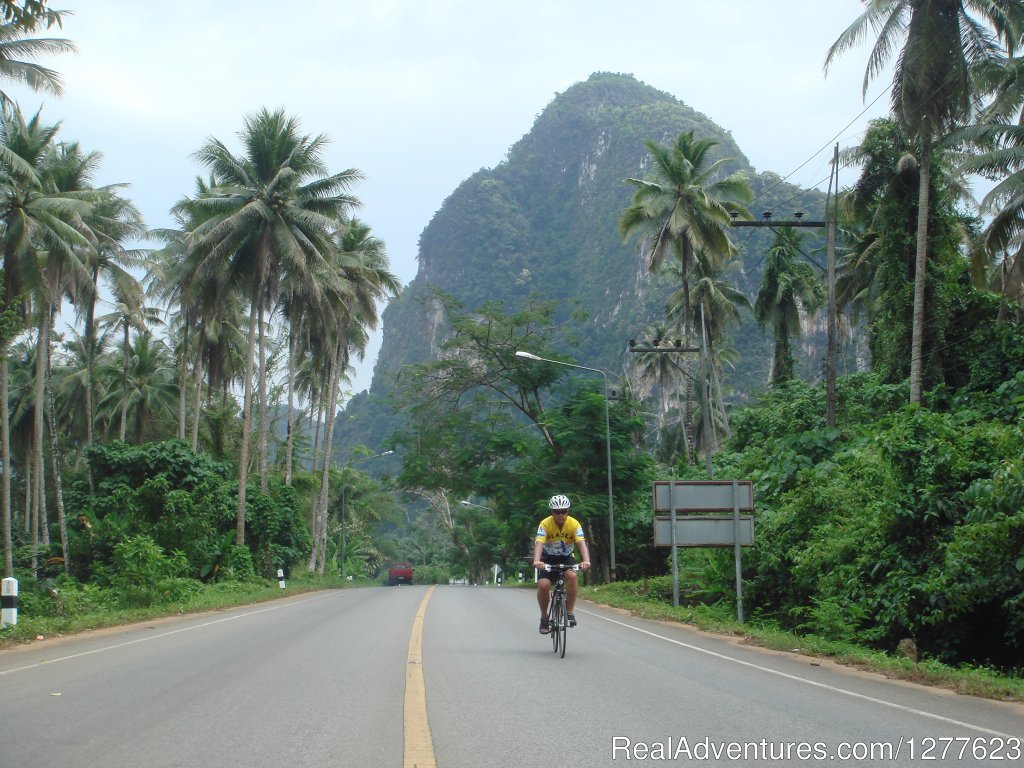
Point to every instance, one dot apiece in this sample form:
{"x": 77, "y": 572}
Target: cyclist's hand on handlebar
{"x": 585, "y": 565}
{"x": 539, "y": 565}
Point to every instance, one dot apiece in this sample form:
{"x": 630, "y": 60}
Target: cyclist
{"x": 556, "y": 536}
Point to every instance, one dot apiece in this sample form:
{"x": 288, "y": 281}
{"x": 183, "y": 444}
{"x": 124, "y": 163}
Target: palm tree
{"x": 361, "y": 263}
{"x": 720, "y": 302}
{"x": 269, "y": 215}
{"x": 685, "y": 207}
{"x": 151, "y": 394}
{"x": 114, "y": 220}
{"x": 129, "y": 313}
{"x": 41, "y": 236}
{"x": 16, "y": 51}
{"x": 932, "y": 90}
{"x": 788, "y": 286}
{"x": 664, "y": 373}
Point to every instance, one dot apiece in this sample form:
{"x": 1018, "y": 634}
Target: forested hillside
{"x": 546, "y": 221}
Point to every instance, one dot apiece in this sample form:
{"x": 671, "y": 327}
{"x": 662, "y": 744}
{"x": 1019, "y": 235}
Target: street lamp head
{"x": 527, "y": 355}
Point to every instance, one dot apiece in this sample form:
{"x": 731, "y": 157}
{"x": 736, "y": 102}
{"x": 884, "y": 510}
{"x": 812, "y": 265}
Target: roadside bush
{"x": 142, "y": 575}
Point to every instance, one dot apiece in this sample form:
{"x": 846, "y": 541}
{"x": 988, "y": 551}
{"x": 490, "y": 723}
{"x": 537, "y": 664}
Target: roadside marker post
{"x": 9, "y": 602}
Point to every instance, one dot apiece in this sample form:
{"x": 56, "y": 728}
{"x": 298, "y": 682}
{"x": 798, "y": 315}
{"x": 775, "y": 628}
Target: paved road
{"x": 327, "y": 680}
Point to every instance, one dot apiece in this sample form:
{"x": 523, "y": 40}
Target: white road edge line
{"x": 46, "y": 662}
{"x": 804, "y": 680}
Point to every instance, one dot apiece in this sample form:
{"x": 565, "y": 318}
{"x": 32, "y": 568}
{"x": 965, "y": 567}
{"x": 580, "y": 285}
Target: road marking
{"x": 419, "y": 745}
{"x": 799, "y": 679}
{"x": 45, "y": 662}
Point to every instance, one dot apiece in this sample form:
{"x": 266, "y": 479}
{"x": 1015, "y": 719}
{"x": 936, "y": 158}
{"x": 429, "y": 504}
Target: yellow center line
{"x": 419, "y": 745}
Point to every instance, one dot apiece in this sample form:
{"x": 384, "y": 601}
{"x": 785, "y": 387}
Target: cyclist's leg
{"x": 543, "y": 598}
{"x": 570, "y": 590}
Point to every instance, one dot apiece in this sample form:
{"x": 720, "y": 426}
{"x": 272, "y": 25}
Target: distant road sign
{"x": 702, "y": 495}
{"x": 704, "y": 531}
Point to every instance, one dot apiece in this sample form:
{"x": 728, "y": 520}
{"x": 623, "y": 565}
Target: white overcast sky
{"x": 419, "y": 94}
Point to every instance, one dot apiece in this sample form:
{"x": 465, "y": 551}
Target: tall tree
{"x": 684, "y": 208}
{"x": 939, "y": 41}
{"x": 876, "y": 273}
{"x": 17, "y": 49}
{"x": 36, "y": 219}
{"x": 271, "y": 213}
{"x": 788, "y": 287}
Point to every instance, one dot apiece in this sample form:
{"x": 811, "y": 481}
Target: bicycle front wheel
{"x": 563, "y": 621}
{"x": 555, "y": 613}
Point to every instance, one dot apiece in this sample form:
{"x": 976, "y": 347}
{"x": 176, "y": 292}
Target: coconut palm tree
{"x": 270, "y": 215}
{"x": 361, "y": 262}
{"x": 686, "y": 206}
{"x": 788, "y": 287}
{"x": 114, "y": 221}
{"x": 662, "y": 372}
{"x": 720, "y": 302}
{"x": 939, "y": 42}
{"x": 42, "y": 237}
{"x": 130, "y": 313}
{"x": 150, "y": 399}
{"x": 17, "y": 50}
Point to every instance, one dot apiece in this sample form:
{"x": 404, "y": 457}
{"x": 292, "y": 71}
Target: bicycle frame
{"x": 558, "y": 610}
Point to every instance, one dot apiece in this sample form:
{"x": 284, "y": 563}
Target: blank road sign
{"x": 703, "y": 531}
{"x": 702, "y": 495}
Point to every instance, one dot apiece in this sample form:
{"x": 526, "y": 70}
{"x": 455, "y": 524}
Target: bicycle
{"x": 558, "y": 610}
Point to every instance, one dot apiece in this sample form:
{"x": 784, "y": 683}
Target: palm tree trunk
{"x": 243, "y": 451}
{"x": 320, "y": 507}
{"x": 5, "y": 456}
{"x": 183, "y": 389}
{"x": 124, "y": 399}
{"x": 920, "y": 271}
{"x": 58, "y": 488}
{"x": 290, "y": 446}
{"x": 42, "y": 342}
{"x": 90, "y": 364}
{"x": 264, "y": 409}
{"x": 338, "y": 366}
{"x": 197, "y": 400}
{"x": 721, "y": 400}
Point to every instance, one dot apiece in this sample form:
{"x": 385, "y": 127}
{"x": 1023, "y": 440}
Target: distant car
{"x": 400, "y": 573}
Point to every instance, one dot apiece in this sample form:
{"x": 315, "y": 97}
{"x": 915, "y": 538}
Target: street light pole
{"x": 342, "y": 517}
{"x": 608, "y": 448}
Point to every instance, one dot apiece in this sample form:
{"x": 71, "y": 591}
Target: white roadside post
{"x": 9, "y": 613}
{"x": 280, "y": 578}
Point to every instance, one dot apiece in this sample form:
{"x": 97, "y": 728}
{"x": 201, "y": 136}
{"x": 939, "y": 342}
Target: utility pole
{"x": 829, "y": 225}
{"x": 677, "y": 348}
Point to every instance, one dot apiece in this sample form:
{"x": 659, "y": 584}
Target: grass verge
{"x": 209, "y": 597}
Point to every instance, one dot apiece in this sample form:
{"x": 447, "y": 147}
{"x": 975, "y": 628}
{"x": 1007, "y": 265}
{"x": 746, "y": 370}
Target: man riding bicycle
{"x": 556, "y": 536}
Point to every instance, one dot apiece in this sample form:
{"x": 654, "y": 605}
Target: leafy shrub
{"x": 143, "y": 575}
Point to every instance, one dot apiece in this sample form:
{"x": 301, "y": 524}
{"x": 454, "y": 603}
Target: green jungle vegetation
{"x": 149, "y": 469}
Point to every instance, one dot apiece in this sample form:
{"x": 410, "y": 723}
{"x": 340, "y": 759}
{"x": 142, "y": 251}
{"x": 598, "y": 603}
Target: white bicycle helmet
{"x": 558, "y": 501}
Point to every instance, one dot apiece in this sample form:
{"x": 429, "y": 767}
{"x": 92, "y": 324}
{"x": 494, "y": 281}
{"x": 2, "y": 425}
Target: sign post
{"x": 704, "y": 530}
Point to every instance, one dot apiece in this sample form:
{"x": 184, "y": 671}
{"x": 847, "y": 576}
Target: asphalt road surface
{"x": 458, "y": 677}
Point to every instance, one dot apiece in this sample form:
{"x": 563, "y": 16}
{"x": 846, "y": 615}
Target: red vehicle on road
{"x": 400, "y": 573}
